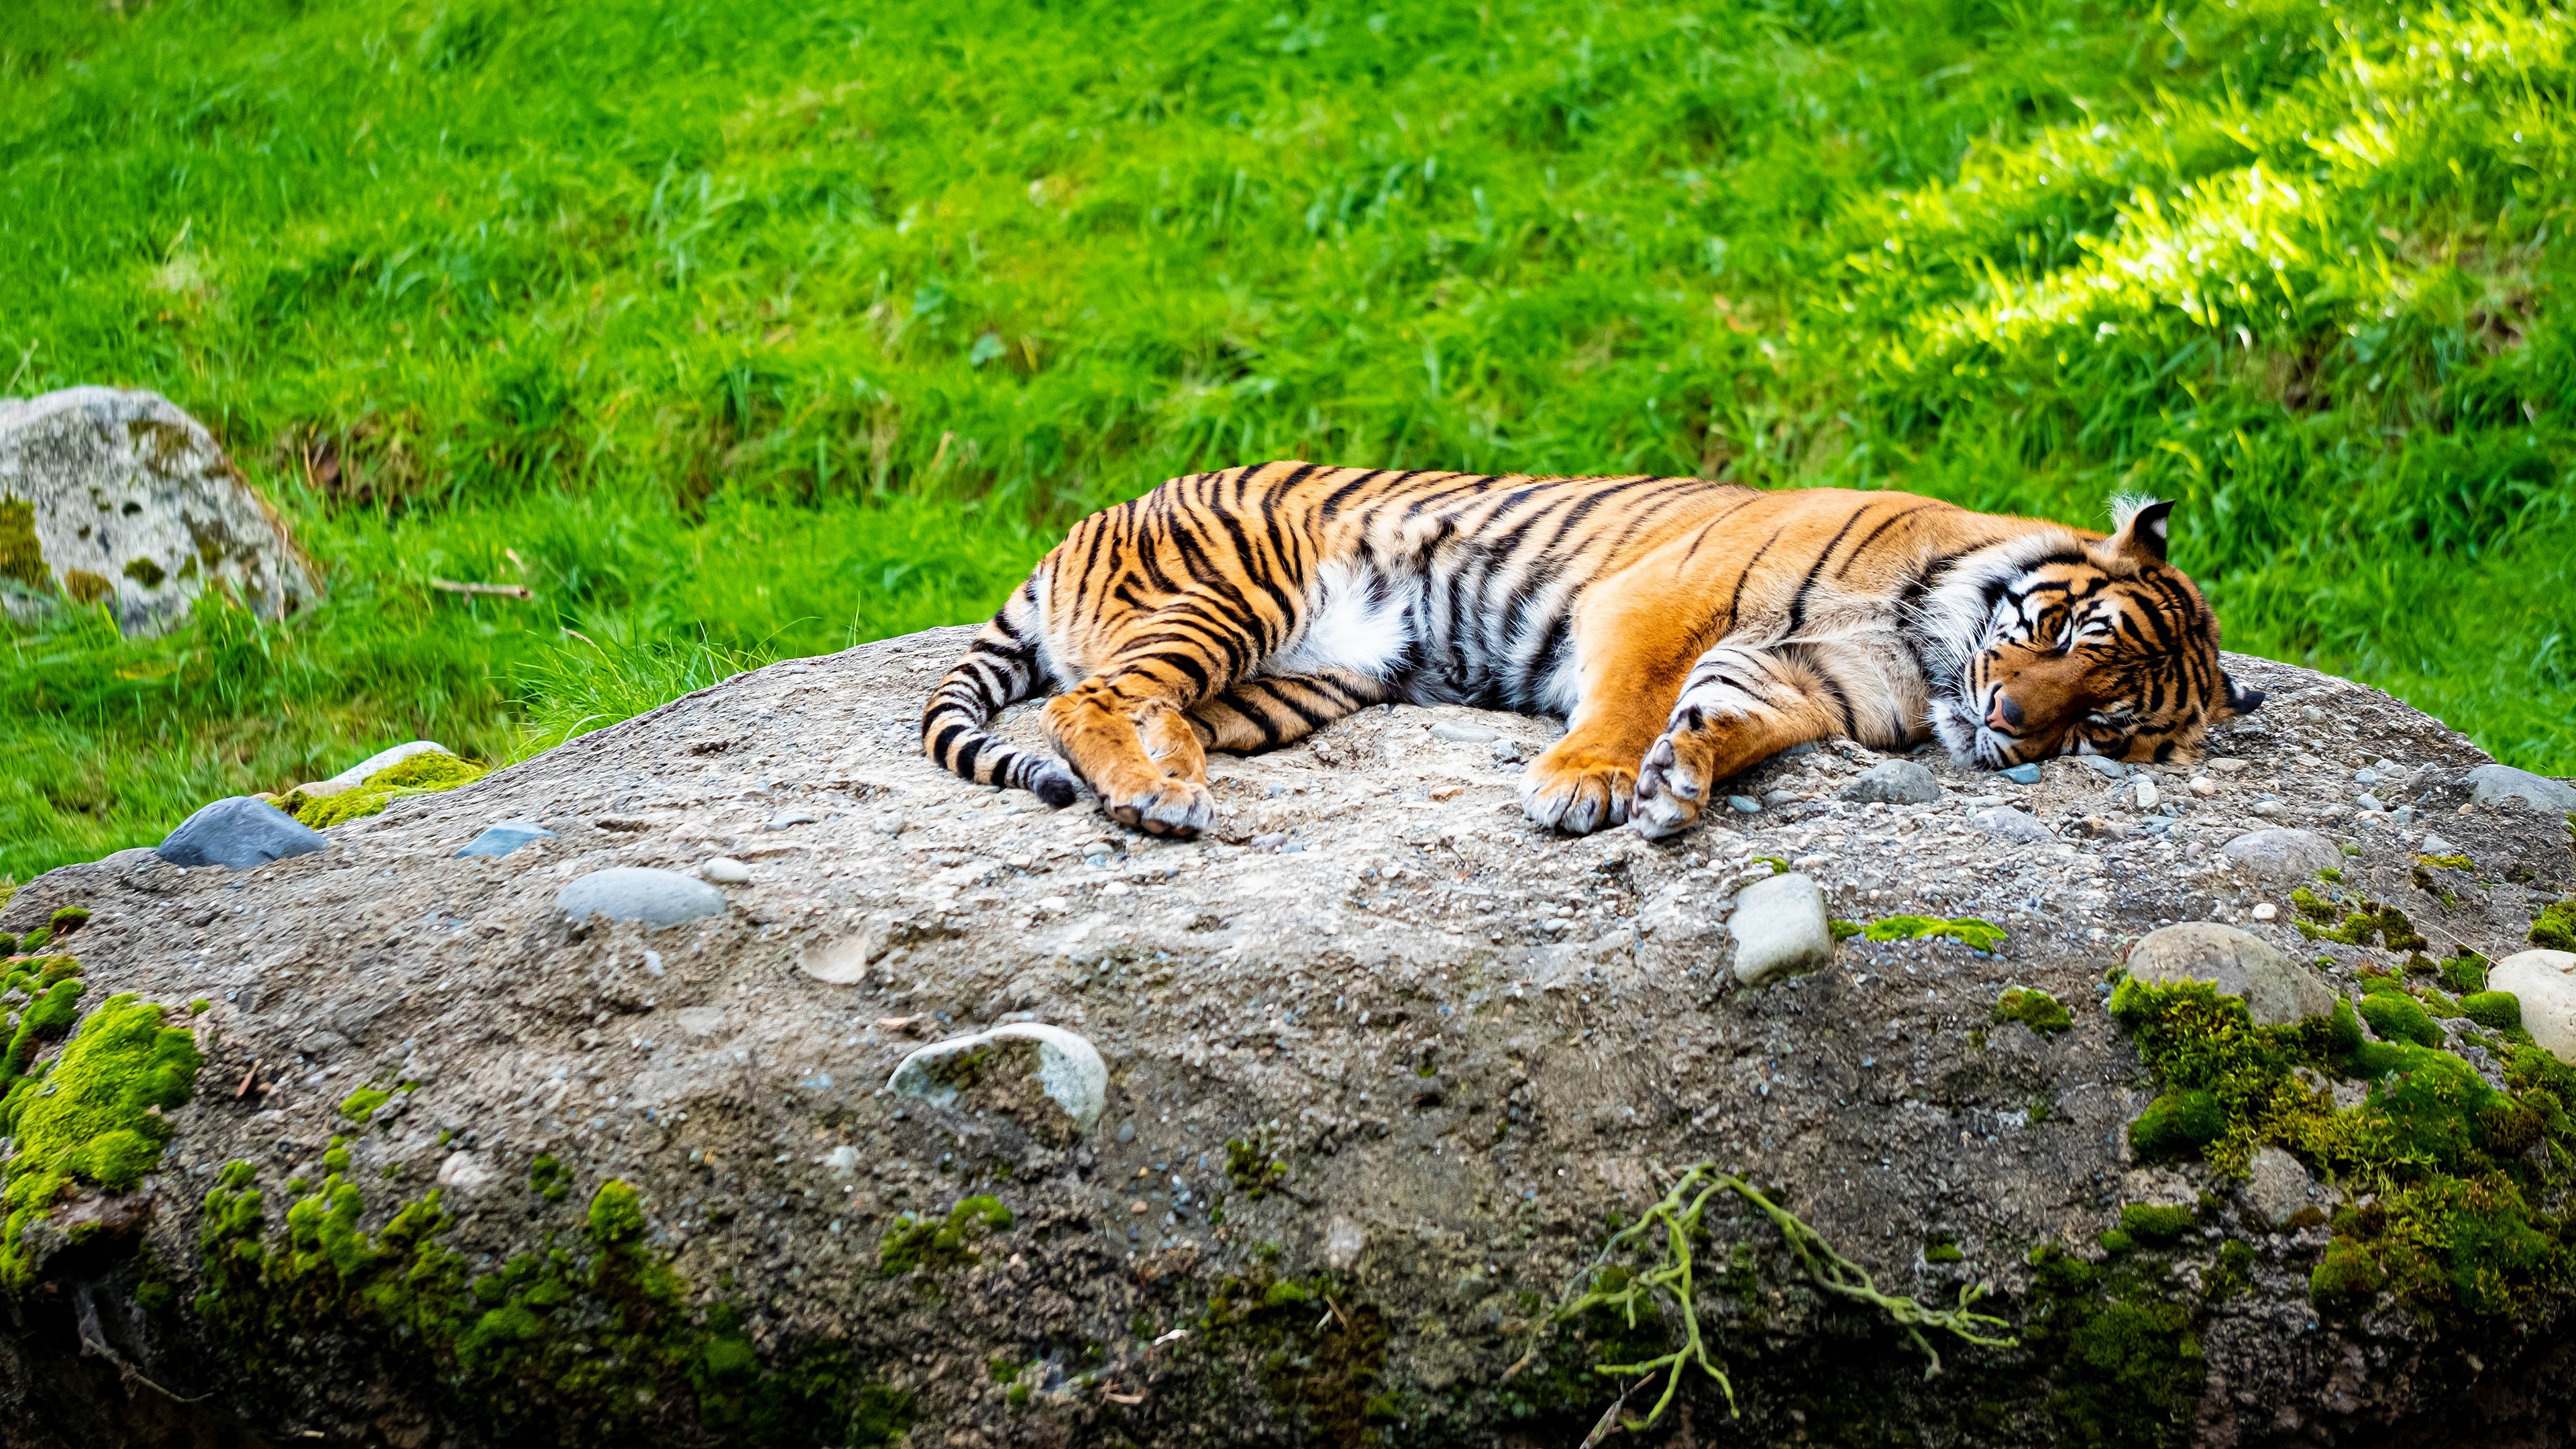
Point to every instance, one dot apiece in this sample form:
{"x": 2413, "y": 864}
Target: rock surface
{"x": 654, "y": 899}
{"x": 240, "y": 832}
{"x": 119, "y": 497}
{"x": 2284, "y": 857}
{"x": 1371, "y": 1090}
{"x": 2545, "y": 983}
{"x": 1894, "y": 782}
{"x": 2276, "y": 990}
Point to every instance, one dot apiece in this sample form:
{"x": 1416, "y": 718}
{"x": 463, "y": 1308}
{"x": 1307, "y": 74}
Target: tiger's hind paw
{"x": 1670, "y": 791}
{"x": 1176, "y": 807}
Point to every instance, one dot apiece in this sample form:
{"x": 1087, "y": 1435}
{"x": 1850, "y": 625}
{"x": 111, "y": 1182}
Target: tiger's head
{"x": 2103, "y": 648}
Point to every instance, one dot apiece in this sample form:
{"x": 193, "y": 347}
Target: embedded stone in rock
{"x": 1461, "y": 733}
{"x": 2495, "y": 782}
{"x": 2276, "y": 991}
{"x": 658, "y": 898}
{"x": 382, "y": 760}
{"x": 843, "y": 962}
{"x": 2106, "y": 768}
{"x": 505, "y": 837}
{"x": 2288, "y": 857}
{"x": 1780, "y": 929}
{"x": 2277, "y": 1187}
{"x": 2012, "y": 824}
{"x": 239, "y": 832}
{"x": 2026, "y": 773}
{"x": 2545, "y": 983}
{"x": 1894, "y": 782}
{"x": 120, "y": 498}
{"x": 1063, "y": 1067}
{"x": 1343, "y": 1241}
{"x": 725, "y": 870}
{"x": 463, "y": 1174}
{"x": 1745, "y": 804}
{"x": 2433, "y": 844}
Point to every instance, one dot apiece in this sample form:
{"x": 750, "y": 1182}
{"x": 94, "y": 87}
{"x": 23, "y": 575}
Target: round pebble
{"x": 1745, "y": 804}
{"x": 1893, "y": 782}
{"x": 2545, "y": 983}
{"x": 657, "y": 898}
{"x": 2276, "y": 991}
{"x": 2289, "y": 857}
{"x": 2012, "y": 824}
{"x": 725, "y": 870}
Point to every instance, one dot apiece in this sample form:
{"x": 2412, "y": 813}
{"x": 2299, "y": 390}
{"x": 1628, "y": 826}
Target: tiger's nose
{"x": 2002, "y": 713}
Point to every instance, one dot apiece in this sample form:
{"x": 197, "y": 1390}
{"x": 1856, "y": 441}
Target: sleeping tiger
{"x": 1684, "y": 630}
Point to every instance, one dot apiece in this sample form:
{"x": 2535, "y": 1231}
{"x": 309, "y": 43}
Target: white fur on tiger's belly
{"x": 1350, "y": 625}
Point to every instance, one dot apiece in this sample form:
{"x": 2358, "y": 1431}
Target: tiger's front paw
{"x": 1672, "y": 787}
{"x": 1576, "y": 793}
{"x": 1172, "y": 807}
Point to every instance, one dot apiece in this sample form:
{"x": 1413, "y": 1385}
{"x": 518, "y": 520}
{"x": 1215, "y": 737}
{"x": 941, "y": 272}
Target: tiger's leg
{"x": 1741, "y": 705}
{"x": 1633, "y": 649}
{"x": 1271, "y": 710}
{"x": 1125, "y": 732}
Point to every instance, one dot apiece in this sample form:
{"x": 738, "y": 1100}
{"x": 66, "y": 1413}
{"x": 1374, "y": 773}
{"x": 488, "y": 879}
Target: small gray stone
{"x": 1780, "y": 929}
{"x": 2495, "y": 782}
{"x": 2012, "y": 824}
{"x": 1894, "y": 782}
{"x": 1343, "y": 1242}
{"x": 2108, "y": 769}
{"x": 2284, "y": 857}
{"x": 842, "y": 1160}
{"x": 1461, "y": 733}
{"x": 786, "y": 818}
{"x": 1745, "y": 804}
{"x": 2026, "y": 773}
{"x": 1127, "y": 1130}
{"x": 2369, "y": 802}
{"x": 505, "y": 837}
{"x": 1509, "y": 752}
{"x": 1069, "y": 1069}
{"x": 2436, "y": 845}
{"x": 725, "y": 870}
{"x": 2276, "y": 991}
{"x": 1774, "y": 799}
{"x": 2545, "y": 983}
{"x": 239, "y": 833}
{"x": 658, "y": 898}
{"x": 2277, "y": 1187}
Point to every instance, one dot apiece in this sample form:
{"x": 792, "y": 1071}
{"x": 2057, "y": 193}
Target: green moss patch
{"x": 914, "y": 1243}
{"x": 426, "y": 773}
{"x": 1321, "y": 1351}
{"x": 2127, "y": 1360}
{"x": 2035, "y": 1009}
{"x": 1979, "y": 935}
{"x": 2454, "y": 1225}
{"x": 22, "y": 557}
{"x": 95, "y": 1118}
{"x": 2555, "y": 929}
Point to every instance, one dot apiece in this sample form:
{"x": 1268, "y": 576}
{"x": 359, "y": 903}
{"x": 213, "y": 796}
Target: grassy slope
{"x": 762, "y": 326}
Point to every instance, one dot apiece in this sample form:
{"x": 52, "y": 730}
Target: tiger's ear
{"x": 2240, "y": 700}
{"x": 2142, "y": 527}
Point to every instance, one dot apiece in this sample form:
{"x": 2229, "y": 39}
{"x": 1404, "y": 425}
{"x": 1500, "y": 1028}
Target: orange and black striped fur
{"x": 1684, "y": 630}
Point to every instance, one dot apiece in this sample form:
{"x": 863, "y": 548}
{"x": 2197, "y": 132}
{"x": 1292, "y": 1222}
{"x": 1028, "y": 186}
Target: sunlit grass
{"x": 762, "y": 327}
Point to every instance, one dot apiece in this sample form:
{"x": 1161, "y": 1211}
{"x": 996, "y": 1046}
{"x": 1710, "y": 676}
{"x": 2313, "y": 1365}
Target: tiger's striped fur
{"x": 1684, "y": 629}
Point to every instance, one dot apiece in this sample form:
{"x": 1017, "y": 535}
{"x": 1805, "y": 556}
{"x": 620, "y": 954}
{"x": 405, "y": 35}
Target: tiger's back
{"x": 1242, "y": 609}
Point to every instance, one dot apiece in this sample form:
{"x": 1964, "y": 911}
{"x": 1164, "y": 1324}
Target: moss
{"x": 2035, "y": 1009}
{"x": 2154, "y": 1224}
{"x": 145, "y": 572}
{"x": 361, "y": 1104}
{"x": 2344, "y": 1274}
{"x": 1251, "y": 1166}
{"x": 2464, "y": 974}
{"x": 37, "y": 940}
{"x": 66, "y": 920}
{"x": 2396, "y": 1016}
{"x": 2447, "y": 1162}
{"x": 1943, "y": 1252}
{"x": 422, "y": 774}
{"x": 86, "y": 587}
{"x": 913, "y": 1243}
{"x": 97, "y": 1118}
{"x": 56, "y": 1005}
{"x": 2555, "y": 928}
{"x": 1328, "y": 1366}
{"x": 548, "y": 1179}
{"x": 2495, "y": 1010}
{"x": 2232, "y": 1275}
{"x": 2122, "y": 1356}
{"x": 335, "y": 1158}
{"x": 2178, "y": 1124}
{"x": 22, "y": 557}
{"x": 1980, "y": 935}
{"x": 2116, "y": 1241}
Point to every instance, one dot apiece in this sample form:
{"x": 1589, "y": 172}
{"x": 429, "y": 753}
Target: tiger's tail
{"x": 1001, "y": 668}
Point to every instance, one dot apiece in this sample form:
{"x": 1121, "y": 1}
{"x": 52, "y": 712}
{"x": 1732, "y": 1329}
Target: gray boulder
{"x": 2275, "y": 990}
{"x": 2497, "y": 782}
{"x": 2283, "y": 857}
{"x": 1893, "y": 782}
{"x": 119, "y": 497}
{"x": 240, "y": 832}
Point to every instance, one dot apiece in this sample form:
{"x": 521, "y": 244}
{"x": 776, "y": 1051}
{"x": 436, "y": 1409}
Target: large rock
{"x": 2545, "y": 983}
{"x": 2498, "y": 782}
{"x": 1780, "y": 929}
{"x": 2276, "y": 990}
{"x": 2284, "y": 857}
{"x": 239, "y": 832}
{"x": 120, "y": 497}
{"x": 1361, "y": 1100}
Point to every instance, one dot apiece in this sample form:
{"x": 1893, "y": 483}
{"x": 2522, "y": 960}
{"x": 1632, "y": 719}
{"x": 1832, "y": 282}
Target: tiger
{"x": 1684, "y": 629}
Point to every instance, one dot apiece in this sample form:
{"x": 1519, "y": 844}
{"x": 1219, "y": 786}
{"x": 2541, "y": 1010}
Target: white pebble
{"x": 2266, "y": 911}
{"x": 725, "y": 870}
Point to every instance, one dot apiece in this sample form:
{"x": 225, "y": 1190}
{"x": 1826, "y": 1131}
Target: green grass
{"x": 748, "y": 329}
